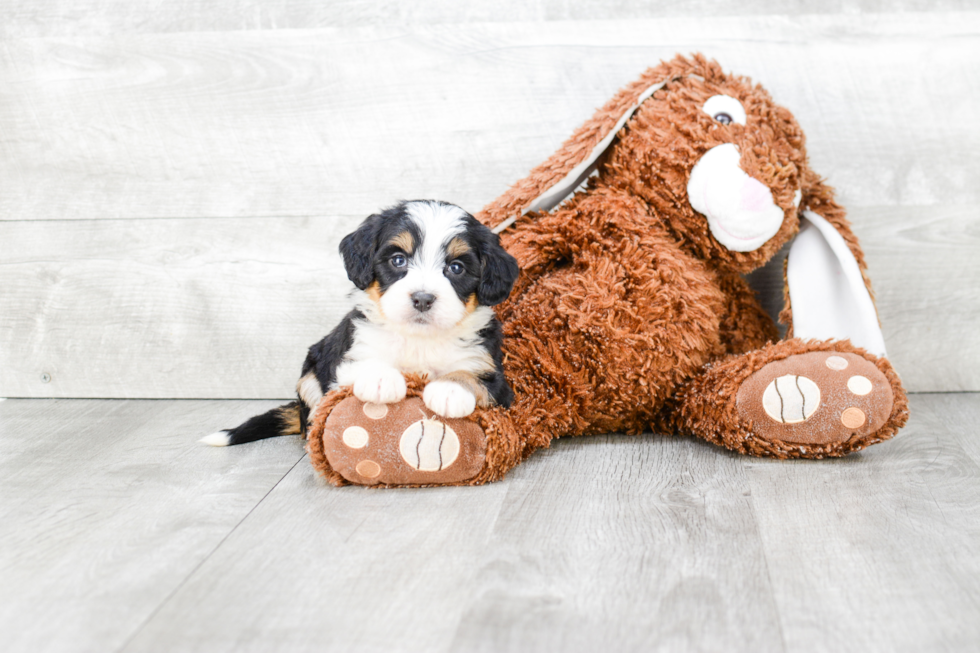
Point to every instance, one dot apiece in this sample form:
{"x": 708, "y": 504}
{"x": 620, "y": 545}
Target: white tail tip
{"x": 217, "y": 439}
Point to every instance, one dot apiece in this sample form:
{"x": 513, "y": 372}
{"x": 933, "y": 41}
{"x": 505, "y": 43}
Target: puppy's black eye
{"x": 399, "y": 261}
{"x": 456, "y": 268}
{"x": 723, "y": 118}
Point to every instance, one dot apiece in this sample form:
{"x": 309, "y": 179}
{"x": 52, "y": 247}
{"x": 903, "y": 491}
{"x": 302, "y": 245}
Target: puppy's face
{"x": 428, "y": 264}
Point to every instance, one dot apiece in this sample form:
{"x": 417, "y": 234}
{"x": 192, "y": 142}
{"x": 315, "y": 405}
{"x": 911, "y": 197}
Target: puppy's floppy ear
{"x": 358, "y": 249}
{"x": 500, "y": 270}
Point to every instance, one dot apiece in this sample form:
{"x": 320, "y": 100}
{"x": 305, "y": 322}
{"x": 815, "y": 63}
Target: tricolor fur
{"x": 426, "y": 274}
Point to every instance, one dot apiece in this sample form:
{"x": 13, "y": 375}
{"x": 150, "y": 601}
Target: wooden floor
{"x": 121, "y": 533}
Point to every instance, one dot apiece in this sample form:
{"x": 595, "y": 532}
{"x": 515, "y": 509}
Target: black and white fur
{"x": 427, "y": 273}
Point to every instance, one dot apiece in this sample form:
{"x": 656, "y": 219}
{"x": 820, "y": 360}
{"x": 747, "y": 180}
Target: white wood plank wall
{"x": 175, "y": 178}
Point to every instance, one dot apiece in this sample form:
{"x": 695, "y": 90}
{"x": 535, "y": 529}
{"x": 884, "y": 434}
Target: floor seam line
{"x": 193, "y": 571}
{"x": 747, "y": 471}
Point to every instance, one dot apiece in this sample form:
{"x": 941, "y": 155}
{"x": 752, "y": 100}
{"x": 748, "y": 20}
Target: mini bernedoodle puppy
{"x": 427, "y": 273}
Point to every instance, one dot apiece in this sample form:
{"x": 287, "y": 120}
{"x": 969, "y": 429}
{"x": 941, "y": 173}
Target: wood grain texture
{"x": 343, "y": 121}
{"x": 925, "y": 268}
{"x": 166, "y": 308}
{"x": 107, "y": 506}
{"x": 342, "y": 569}
{"x": 624, "y": 544}
{"x": 614, "y": 542}
{"x": 66, "y": 18}
{"x": 878, "y": 551}
{"x": 227, "y": 308}
{"x": 537, "y": 563}
{"x": 172, "y": 202}
{"x": 138, "y": 538}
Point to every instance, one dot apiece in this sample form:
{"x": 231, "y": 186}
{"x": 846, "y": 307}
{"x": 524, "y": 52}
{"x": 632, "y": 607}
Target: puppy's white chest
{"x": 432, "y": 356}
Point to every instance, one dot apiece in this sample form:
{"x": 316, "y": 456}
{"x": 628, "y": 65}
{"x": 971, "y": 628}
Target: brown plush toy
{"x": 631, "y": 311}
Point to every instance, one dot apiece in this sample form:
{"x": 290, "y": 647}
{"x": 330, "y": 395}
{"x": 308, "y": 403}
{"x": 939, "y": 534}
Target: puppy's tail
{"x": 284, "y": 420}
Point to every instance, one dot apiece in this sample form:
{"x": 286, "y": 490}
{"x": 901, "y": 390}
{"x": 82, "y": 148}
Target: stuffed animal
{"x": 631, "y": 311}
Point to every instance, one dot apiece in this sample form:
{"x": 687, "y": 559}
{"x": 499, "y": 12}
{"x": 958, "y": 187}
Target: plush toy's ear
{"x": 358, "y": 249}
{"x": 555, "y": 179}
{"x": 499, "y": 273}
{"x": 828, "y": 291}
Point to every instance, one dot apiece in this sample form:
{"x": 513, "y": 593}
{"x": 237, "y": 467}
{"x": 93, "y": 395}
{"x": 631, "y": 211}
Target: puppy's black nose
{"x": 422, "y": 301}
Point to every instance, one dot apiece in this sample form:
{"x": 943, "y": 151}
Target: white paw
{"x": 448, "y": 399}
{"x": 381, "y": 385}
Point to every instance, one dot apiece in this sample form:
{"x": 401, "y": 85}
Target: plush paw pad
{"x": 449, "y": 399}
{"x": 816, "y": 398}
{"x": 401, "y": 443}
{"x": 381, "y": 385}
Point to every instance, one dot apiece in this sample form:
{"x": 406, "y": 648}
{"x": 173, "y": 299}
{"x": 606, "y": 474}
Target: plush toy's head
{"x": 716, "y": 155}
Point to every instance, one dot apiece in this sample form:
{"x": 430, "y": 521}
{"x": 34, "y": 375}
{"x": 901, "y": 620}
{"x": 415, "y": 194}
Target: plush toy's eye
{"x": 399, "y": 261}
{"x": 725, "y": 109}
{"x": 456, "y": 268}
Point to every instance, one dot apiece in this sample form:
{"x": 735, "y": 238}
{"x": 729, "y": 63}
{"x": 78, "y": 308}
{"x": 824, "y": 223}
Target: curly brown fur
{"x": 628, "y": 312}
{"x": 570, "y": 363}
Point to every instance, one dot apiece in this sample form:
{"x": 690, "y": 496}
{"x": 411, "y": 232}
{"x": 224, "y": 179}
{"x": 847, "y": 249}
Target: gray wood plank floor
{"x": 121, "y": 533}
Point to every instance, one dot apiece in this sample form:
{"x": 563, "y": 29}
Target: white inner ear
{"x": 725, "y": 104}
{"x": 826, "y": 290}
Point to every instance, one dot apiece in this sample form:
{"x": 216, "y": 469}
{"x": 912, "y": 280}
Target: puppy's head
{"x": 428, "y": 264}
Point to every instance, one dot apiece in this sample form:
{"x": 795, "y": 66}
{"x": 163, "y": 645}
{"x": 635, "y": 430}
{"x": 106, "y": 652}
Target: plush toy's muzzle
{"x": 740, "y": 210}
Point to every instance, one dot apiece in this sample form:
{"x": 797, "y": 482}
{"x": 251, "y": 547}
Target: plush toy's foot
{"x": 406, "y": 444}
{"x": 795, "y": 399}
{"x": 401, "y": 444}
{"x": 816, "y": 398}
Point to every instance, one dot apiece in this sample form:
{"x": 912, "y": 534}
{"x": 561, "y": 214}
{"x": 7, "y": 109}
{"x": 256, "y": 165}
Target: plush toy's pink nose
{"x": 755, "y": 196}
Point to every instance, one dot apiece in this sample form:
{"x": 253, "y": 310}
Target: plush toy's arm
{"x": 828, "y": 293}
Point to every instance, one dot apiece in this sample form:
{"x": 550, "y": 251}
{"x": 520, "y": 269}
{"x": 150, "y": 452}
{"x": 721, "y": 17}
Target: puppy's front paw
{"x": 380, "y": 385}
{"x": 448, "y": 399}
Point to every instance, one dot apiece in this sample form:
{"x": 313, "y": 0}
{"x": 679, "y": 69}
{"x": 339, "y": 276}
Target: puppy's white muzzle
{"x": 740, "y": 210}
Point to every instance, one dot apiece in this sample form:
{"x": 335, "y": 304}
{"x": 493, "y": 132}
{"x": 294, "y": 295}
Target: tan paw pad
{"x": 859, "y": 385}
{"x": 836, "y": 363}
{"x": 355, "y": 437}
{"x": 368, "y": 468}
{"x": 375, "y": 411}
{"x": 791, "y": 398}
{"x": 853, "y": 418}
{"x": 429, "y": 445}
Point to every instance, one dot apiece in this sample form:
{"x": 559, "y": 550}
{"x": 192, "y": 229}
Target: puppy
{"x": 427, "y": 274}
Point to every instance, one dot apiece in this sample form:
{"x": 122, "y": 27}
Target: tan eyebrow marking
{"x": 404, "y": 241}
{"x": 457, "y": 247}
{"x": 374, "y": 292}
